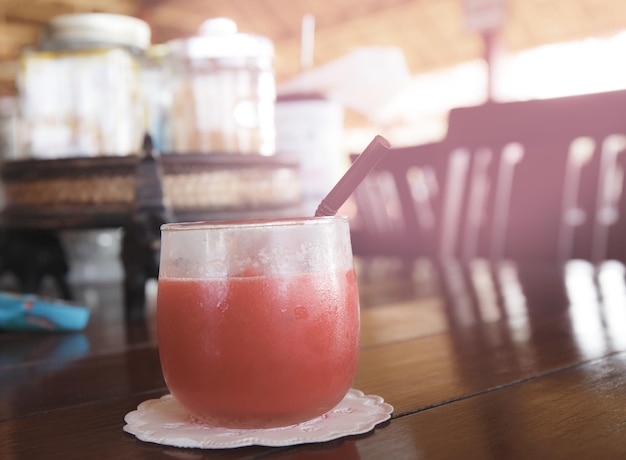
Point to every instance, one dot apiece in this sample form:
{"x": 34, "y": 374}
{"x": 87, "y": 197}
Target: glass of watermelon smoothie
{"x": 258, "y": 321}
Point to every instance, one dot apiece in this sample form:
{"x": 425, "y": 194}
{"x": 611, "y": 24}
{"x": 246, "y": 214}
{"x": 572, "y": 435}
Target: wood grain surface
{"x": 540, "y": 375}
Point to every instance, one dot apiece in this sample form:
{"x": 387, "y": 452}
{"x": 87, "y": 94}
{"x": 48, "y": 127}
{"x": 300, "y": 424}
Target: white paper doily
{"x": 164, "y": 421}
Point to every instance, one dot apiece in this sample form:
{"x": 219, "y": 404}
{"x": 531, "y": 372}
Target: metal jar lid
{"x": 219, "y": 39}
{"x": 98, "y": 29}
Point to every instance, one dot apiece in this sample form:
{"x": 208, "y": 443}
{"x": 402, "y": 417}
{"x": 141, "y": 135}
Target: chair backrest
{"x": 609, "y": 231}
{"x": 398, "y": 204}
{"x": 522, "y": 180}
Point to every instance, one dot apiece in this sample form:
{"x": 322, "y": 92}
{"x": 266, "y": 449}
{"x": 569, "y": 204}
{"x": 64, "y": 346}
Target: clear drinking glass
{"x": 258, "y": 321}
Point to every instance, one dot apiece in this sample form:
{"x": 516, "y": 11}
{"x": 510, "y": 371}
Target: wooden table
{"x": 505, "y": 362}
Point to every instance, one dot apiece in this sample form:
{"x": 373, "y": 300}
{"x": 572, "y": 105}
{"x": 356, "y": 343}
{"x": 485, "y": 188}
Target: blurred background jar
{"x": 9, "y": 128}
{"x": 156, "y": 90}
{"x": 223, "y": 91}
{"x": 80, "y": 90}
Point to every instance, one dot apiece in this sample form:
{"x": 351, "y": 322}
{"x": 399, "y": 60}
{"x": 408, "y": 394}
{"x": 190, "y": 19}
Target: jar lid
{"x": 219, "y": 39}
{"x": 97, "y": 28}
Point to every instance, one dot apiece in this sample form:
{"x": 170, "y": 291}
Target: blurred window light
{"x": 562, "y": 69}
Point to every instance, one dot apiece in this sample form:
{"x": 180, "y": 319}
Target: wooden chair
{"x": 532, "y": 180}
{"x": 610, "y": 218}
{"x": 398, "y": 204}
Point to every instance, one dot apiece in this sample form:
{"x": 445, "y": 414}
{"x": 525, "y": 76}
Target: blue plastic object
{"x": 32, "y": 313}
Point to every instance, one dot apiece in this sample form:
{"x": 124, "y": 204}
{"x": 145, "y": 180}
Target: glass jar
{"x": 223, "y": 91}
{"x": 80, "y": 88}
{"x": 309, "y": 126}
{"x": 156, "y": 90}
{"x": 9, "y": 128}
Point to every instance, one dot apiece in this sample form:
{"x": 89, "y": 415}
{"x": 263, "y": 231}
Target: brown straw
{"x": 361, "y": 167}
